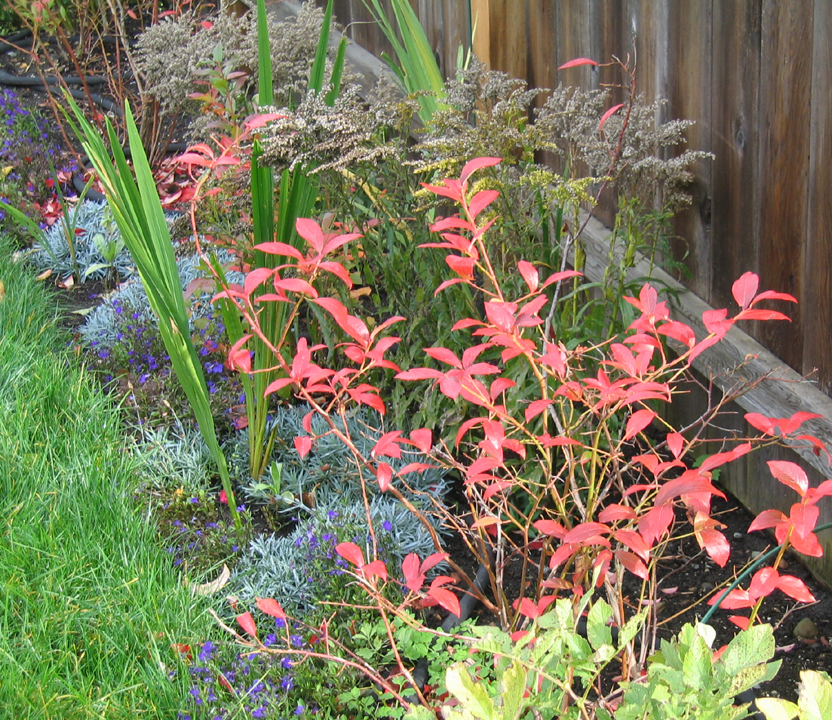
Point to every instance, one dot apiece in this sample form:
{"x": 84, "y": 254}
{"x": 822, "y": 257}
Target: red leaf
{"x": 761, "y": 422}
{"x": 477, "y": 164}
{"x": 745, "y": 289}
{"x": 790, "y": 475}
{"x": 635, "y": 542}
{"x": 608, "y": 114}
{"x": 577, "y": 62}
{"x": 463, "y": 266}
{"x": 388, "y": 445}
{"x": 637, "y": 422}
{"x": 530, "y": 275}
{"x": 246, "y": 621}
{"x": 740, "y": 621}
{"x": 767, "y": 519}
{"x": 384, "y": 474}
{"x": 446, "y": 599}
{"x": 535, "y": 408}
{"x": 632, "y": 563}
{"x": 303, "y": 444}
{"x": 772, "y": 295}
{"x": 614, "y": 512}
{"x": 586, "y": 531}
{"x": 795, "y": 588}
{"x": 422, "y": 439}
{"x": 295, "y": 285}
{"x": 444, "y": 355}
{"x": 351, "y": 552}
{"x": 528, "y": 608}
{"x": 675, "y": 442}
{"x": 414, "y": 579}
{"x": 270, "y": 607}
{"x": 550, "y": 527}
{"x": 655, "y": 523}
{"x": 558, "y": 276}
{"x": 715, "y": 545}
{"x": 377, "y": 568}
{"x": 481, "y": 200}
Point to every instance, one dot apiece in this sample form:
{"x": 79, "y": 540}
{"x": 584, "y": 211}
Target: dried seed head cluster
{"x": 490, "y": 114}
{"x": 173, "y": 52}
{"x": 323, "y": 137}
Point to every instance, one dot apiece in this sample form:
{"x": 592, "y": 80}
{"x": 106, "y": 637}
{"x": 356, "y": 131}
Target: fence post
{"x": 500, "y": 35}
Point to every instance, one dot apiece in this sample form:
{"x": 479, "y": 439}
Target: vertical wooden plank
{"x": 735, "y": 178}
{"x": 500, "y": 41}
{"x": 543, "y": 48}
{"x": 687, "y": 46}
{"x": 784, "y": 103}
{"x": 816, "y": 295}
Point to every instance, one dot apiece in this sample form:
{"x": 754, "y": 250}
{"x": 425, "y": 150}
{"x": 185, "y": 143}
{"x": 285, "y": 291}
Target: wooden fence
{"x": 756, "y": 76}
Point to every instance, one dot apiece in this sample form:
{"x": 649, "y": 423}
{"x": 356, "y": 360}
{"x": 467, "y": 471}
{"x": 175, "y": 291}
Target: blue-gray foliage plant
{"x": 99, "y": 249}
{"x": 302, "y": 569}
{"x": 329, "y": 472}
{"x": 129, "y": 302}
{"x": 175, "y": 458}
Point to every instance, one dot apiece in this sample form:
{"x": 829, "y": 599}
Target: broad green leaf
{"x": 815, "y": 699}
{"x": 513, "y": 689}
{"x": 597, "y": 631}
{"x": 777, "y": 709}
{"x": 630, "y": 628}
{"x": 697, "y": 664}
{"x": 419, "y": 712}
{"x": 750, "y": 647}
{"x": 473, "y": 698}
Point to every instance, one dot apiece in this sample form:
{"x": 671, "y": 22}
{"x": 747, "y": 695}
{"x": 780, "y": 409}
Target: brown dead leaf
{"x": 210, "y": 588}
{"x": 360, "y": 292}
{"x": 44, "y": 275}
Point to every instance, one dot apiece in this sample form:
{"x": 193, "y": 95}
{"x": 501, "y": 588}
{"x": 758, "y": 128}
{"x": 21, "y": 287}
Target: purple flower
{"x": 387, "y": 525}
{"x": 207, "y": 651}
{"x": 287, "y": 683}
{"x": 296, "y": 640}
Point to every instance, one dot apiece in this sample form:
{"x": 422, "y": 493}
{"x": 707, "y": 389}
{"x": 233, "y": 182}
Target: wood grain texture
{"x": 688, "y": 91}
{"x": 816, "y": 291}
{"x": 501, "y": 39}
{"x": 785, "y": 99}
{"x": 735, "y": 138}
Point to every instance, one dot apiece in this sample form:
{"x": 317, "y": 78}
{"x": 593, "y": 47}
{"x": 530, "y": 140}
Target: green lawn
{"x": 89, "y": 602}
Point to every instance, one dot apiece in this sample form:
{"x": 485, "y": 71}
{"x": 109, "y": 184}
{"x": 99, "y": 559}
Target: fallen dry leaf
{"x": 210, "y": 588}
{"x": 44, "y": 275}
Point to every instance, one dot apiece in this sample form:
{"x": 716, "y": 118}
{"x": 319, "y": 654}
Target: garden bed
{"x": 329, "y": 518}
